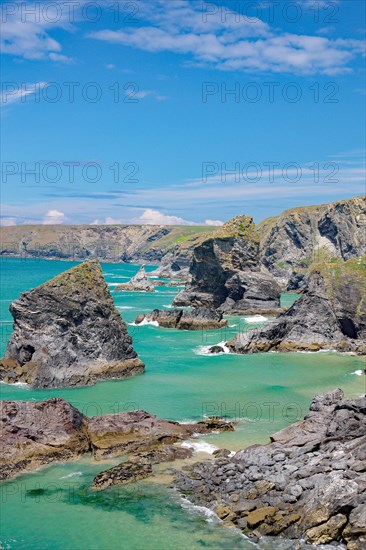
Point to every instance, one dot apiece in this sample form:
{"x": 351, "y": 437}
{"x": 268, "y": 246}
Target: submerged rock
{"x": 308, "y": 483}
{"x": 67, "y": 332}
{"x": 199, "y": 318}
{"x": 139, "y": 283}
{"x": 331, "y": 314}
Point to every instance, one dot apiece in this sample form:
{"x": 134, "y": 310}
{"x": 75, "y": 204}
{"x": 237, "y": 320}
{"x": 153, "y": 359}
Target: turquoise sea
{"x": 54, "y": 508}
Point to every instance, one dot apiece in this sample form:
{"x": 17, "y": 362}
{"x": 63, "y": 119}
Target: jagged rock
{"x": 67, "y": 332}
{"x": 139, "y": 283}
{"x": 36, "y": 433}
{"x": 195, "y": 319}
{"x": 328, "y": 531}
{"x": 293, "y": 486}
{"x": 225, "y": 272}
{"x": 116, "y": 434}
{"x": 331, "y": 314}
{"x": 293, "y": 240}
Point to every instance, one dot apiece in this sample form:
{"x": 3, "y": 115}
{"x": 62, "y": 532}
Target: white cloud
{"x": 7, "y": 222}
{"x": 141, "y": 94}
{"x": 110, "y": 66}
{"x": 26, "y": 28}
{"x": 214, "y": 222}
{"x": 229, "y": 44}
{"x": 13, "y": 92}
{"x": 54, "y": 217}
{"x": 154, "y": 217}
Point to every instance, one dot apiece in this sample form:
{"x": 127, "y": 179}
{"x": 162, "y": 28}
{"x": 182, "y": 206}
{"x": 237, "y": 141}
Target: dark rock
{"x": 225, "y": 272}
{"x": 128, "y": 472}
{"x": 194, "y": 319}
{"x": 330, "y": 314}
{"x": 67, "y": 332}
{"x": 290, "y": 487}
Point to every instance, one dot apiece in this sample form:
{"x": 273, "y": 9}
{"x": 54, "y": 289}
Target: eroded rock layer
{"x": 67, "y": 332}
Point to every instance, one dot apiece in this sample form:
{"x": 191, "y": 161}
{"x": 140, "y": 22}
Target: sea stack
{"x": 330, "y": 315}
{"x": 139, "y": 283}
{"x": 67, "y": 332}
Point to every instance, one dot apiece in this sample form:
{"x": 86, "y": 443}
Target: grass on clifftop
{"x": 339, "y": 274}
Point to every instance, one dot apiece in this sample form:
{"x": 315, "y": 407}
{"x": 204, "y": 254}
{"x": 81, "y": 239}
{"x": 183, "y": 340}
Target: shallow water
{"x": 263, "y": 393}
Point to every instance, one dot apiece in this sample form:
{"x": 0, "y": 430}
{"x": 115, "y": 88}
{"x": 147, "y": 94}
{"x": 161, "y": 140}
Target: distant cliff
{"x": 114, "y": 243}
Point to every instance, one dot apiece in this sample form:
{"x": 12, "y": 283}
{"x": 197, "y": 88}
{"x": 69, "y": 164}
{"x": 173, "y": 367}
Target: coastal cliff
{"x": 67, "y": 332}
{"x": 291, "y": 242}
{"x": 108, "y": 243}
{"x": 226, "y": 272}
{"x": 330, "y": 314}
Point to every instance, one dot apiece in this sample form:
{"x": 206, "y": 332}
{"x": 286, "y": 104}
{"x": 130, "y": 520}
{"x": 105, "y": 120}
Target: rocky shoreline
{"x": 34, "y": 434}
{"x": 308, "y": 483}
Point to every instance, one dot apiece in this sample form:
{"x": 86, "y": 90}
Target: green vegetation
{"x": 339, "y": 275}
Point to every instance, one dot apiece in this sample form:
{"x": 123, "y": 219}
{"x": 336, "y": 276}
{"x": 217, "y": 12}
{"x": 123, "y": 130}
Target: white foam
{"x": 168, "y": 306}
{"x": 200, "y": 446}
{"x": 209, "y": 515}
{"x": 205, "y": 350}
{"x": 144, "y": 323}
{"x": 358, "y": 372}
{"x": 125, "y": 307}
{"x": 73, "y": 474}
{"x": 23, "y": 384}
{"x": 255, "y": 319}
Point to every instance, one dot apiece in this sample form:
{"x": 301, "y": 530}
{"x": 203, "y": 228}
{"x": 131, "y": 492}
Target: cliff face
{"x": 293, "y": 240}
{"x": 67, "y": 332}
{"x": 331, "y": 314}
{"x": 225, "y": 271}
{"x": 114, "y": 243}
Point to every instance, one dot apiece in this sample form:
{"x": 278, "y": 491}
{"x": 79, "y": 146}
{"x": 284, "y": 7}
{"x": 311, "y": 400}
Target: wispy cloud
{"x": 26, "y": 29}
{"x": 13, "y": 93}
{"x": 185, "y": 28}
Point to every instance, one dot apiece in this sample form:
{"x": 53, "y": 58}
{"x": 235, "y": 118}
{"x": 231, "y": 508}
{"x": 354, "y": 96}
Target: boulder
{"x": 307, "y": 483}
{"x": 67, "y": 332}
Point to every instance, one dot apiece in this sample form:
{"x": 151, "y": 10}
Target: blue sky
{"x": 179, "y": 111}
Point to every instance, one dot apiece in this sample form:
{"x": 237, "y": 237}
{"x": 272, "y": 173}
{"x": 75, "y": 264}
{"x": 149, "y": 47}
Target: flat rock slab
{"x": 195, "y": 319}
